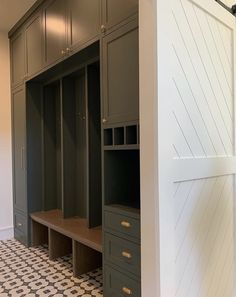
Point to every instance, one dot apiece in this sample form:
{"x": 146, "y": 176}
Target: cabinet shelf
{"x": 124, "y": 209}
{"x": 121, "y": 147}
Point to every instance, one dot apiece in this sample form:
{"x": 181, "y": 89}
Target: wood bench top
{"x": 75, "y": 228}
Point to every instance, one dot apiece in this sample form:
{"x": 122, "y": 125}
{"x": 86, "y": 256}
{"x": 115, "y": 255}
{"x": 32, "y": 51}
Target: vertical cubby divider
{"x": 59, "y": 245}
{"x": 85, "y": 259}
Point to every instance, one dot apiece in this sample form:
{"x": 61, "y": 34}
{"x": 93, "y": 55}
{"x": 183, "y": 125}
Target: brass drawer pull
{"x": 126, "y": 255}
{"x": 126, "y": 291}
{"x": 125, "y": 224}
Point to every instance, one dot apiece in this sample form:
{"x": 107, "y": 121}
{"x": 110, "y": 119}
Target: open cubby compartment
{"x": 82, "y": 145}
{"x": 108, "y": 137}
{"x": 35, "y": 151}
{"x": 52, "y": 148}
{"x": 119, "y": 136}
{"x": 122, "y": 178}
{"x": 85, "y": 259}
{"x": 68, "y": 236}
{"x": 131, "y": 134}
{"x": 59, "y": 245}
{"x": 39, "y": 234}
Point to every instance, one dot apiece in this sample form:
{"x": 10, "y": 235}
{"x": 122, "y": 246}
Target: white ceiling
{"x": 11, "y": 11}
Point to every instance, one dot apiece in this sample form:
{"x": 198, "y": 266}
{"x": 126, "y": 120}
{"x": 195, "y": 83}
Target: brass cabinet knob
{"x": 63, "y": 52}
{"x": 126, "y": 255}
{"x": 127, "y": 291}
{"x": 125, "y": 224}
{"x": 104, "y": 120}
{"x": 103, "y": 28}
{"x": 69, "y": 50}
{"x": 19, "y": 225}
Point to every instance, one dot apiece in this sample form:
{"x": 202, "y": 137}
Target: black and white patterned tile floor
{"x": 29, "y": 272}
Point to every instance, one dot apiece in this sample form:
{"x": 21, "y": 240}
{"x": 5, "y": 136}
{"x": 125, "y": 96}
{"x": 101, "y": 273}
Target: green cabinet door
{"x": 114, "y": 12}
{"x": 17, "y": 45}
{"x": 19, "y": 148}
{"x": 55, "y": 31}
{"x": 120, "y": 75}
{"x": 34, "y": 44}
{"x": 84, "y": 21}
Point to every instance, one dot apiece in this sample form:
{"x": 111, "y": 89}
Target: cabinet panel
{"x": 84, "y": 20}
{"x": 34, "y": 45}
{"x": 114, "y": 11}
{"x": 120, "y": 75}
{"x": 119, "y": 284}
{"x": 19, "y": 154}
{"x": 55, "y": 30}
{"x": 17, "y": 59}
{"x": 123, "y": 253}
{"x": 122, "y": 225}
{"x": 20, "y": 223}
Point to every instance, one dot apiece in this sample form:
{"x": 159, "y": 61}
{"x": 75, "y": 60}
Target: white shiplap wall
{"x": 204, "y": 120}
{"x": 196, "y": 148}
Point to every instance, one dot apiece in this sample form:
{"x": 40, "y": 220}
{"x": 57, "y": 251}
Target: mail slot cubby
{"x": 119, "y": 136}
{"x": 132, "y": 134}
{"x": 124, "y": 137}
{"x": 108, "y": 137}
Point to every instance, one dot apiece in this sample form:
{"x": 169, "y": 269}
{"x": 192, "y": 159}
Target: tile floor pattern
{"x": 29, "y": 272}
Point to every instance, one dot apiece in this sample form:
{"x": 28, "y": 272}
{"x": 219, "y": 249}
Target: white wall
{"x": 229, "y": 2}
{"x": 6, "y": 215}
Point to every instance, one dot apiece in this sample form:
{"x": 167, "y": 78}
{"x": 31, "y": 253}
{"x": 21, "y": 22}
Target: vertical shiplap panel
{"x": 203, "y": 112}
{"x": 204, "y": 237}
{"x": 198, "y": 84}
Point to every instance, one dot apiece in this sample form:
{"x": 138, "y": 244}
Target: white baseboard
{"x": 6, "y": 233}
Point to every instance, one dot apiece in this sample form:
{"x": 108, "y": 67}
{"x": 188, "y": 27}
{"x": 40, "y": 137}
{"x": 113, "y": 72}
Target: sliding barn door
{"x": 197, "y": 114}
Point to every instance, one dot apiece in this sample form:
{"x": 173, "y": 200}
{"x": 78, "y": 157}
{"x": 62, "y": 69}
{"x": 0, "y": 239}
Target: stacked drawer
{"x": 122, "y": 252}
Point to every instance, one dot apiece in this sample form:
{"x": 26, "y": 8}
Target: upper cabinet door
{"x": 34, "y": 45}
{"x": 116, "y": 11}
{"x": 18, "y": 58}
{"x": 19, "y": 148}
{"x": 120, "y": 75}
{"x": 55, "y": 31}
{"x": 84, "y": 21}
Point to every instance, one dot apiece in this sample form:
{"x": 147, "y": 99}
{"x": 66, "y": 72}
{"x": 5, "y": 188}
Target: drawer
{"x": 118, "y": 284}
{"x": 20, "y": 223}
{"x": 122, "y": 224}
{"x": 123, "y": 253}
